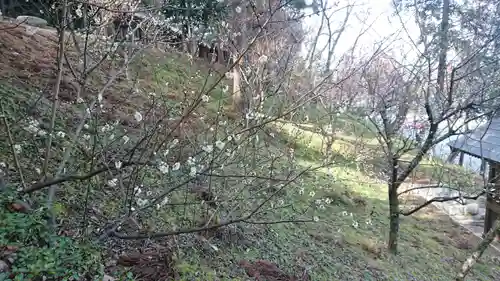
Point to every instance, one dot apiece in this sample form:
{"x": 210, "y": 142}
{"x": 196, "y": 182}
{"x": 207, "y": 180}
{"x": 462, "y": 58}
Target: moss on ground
{"x": 346, "y": 243}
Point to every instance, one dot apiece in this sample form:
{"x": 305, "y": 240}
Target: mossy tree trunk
{"x": 393, "y": 207}
{"x": 393, "y": 219}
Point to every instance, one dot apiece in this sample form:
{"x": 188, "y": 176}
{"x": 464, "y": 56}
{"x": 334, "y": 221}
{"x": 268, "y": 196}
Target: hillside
{"x": 340, "y": 223}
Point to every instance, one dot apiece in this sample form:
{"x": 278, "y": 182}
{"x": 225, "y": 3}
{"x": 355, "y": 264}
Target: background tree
{"x": 443, "y": 96}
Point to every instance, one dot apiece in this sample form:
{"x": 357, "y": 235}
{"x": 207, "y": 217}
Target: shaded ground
{"x": 346, "y": 243}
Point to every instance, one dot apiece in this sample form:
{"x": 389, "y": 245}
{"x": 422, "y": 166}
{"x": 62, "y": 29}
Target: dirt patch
{"x": 29, "y": 55}
{"x": 28, "y": 61}
{"x": 150, "y": 264}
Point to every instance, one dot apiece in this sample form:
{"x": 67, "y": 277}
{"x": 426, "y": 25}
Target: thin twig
{"x": 11, "y": 144}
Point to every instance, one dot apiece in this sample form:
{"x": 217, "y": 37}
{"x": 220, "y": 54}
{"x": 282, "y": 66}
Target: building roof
{"x": 483, "y": 142}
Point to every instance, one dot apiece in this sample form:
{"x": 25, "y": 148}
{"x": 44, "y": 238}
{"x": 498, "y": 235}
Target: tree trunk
{"x": 237, "y": 95}
{"x": 220, "y": 53}
{"x": 394, "y": 219}
{"x": 477, "y": 253}
{"x": 238, "y": 99}
{"x": 443, "y": 49}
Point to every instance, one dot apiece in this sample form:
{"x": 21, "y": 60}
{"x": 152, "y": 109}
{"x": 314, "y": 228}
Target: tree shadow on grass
{"x": 427, "y": 240}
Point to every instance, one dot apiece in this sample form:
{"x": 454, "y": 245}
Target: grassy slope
{"x": 432, "y": 247}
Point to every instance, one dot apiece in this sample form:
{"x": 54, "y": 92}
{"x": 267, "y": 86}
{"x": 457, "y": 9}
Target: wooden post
{"x": 492, "y": 207}
{"x": 483, "y": 167}
{"x": 461, "y": 159}
{"x": 452, "y": 155}
{"x": 489, "y": 219}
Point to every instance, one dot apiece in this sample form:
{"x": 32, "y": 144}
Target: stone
{"x": 108, "y": 278}
{"x": 472, "y": 209}
{"x": 33, "y": 21}
{"x": 4, "y": 267}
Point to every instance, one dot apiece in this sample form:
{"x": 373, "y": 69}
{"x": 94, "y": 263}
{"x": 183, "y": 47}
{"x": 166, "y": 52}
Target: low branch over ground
{"x": 477, "y": 253}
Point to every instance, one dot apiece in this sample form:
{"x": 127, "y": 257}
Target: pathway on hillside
{"x": 470, "y": 216}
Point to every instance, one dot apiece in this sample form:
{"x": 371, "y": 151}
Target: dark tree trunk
{"x": 393, "y": 219}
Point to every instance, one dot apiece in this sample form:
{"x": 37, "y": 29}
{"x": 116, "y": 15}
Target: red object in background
{"x": 417, "y": 125}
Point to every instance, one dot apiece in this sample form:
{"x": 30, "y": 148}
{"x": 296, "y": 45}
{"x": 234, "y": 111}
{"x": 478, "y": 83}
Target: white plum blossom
{"x": 312, "y": 193}
{"x": 176, "y": 166}
{"x": 113, "y": 182}
{"x": 174, "y": 143}
{"x": 79, "y": 12}
{"x": 163, "y": 167}
{"x": 111, "y": 137}
{"x": 138, "y": 116}
{"x": 141, "y": 202}
{"x": 328, "y": 200}
{"x": 86, "y": 136}
{"x": 190, "y": 161}
{"x": 165, "y": 153}
{"x": 33, "y": 127}
{"x": 137, "y": 190}
{"x": 192, "y": 171}
{"x": 125, "y": 139}
{"x": 86, "y": 126}
{"x": 99, "y": 97}
{"x": 219, "y": 144}
{"x": 237, "y": 9}
{"x": 262, "y": 59}
{"x": 106, "y": 128}
{"x": 118, "y": 164}
{"x": 355, "y": 224}
{"x": 208, "y": 148}
{"x": 204, "y": 98}
{"x": 229, "y": 138}
{"x": 17, "y": 148}
{"x": 162, "y": 203}
{"x": 301, "y": 191}
{"x": 316, "y": 218}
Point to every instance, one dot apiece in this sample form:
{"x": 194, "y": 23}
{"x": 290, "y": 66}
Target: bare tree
{"x": 395, "y": 89}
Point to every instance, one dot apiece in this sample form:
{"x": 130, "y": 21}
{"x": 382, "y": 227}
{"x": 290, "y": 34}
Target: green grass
{"x": 346, "y": 243}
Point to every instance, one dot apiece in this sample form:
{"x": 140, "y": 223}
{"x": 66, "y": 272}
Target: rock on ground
{"x": 30, "y": 20}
